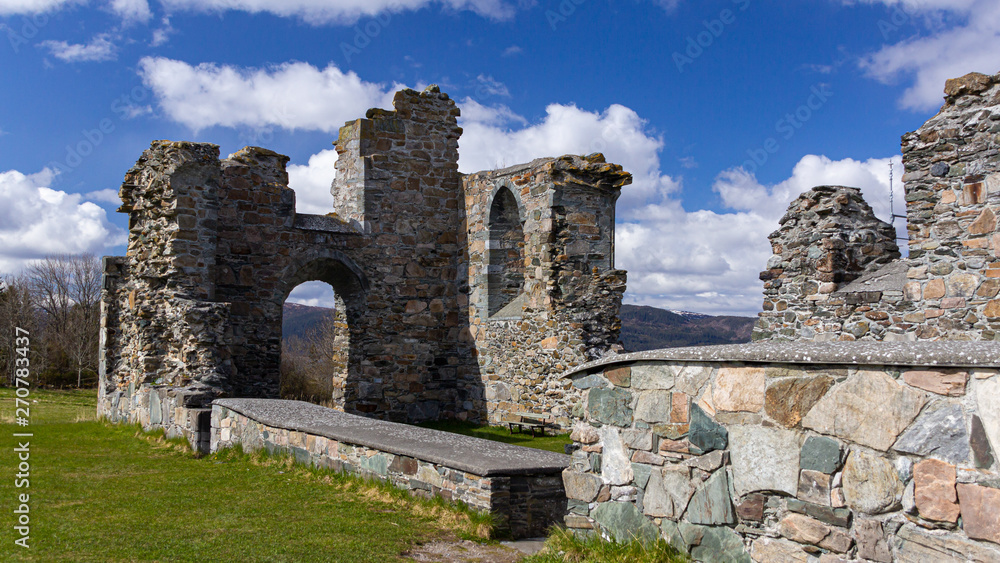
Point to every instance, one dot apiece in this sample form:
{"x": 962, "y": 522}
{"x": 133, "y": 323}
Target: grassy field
{"x": 102, "y": 492}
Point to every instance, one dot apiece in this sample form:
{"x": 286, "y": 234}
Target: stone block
{"x": 871, "y": 541}
{"x": 739, "y": 389}
{"x": 616, "y": 468}
{"x": 871, "y": 483}
{"x": 918, "y": 546}
{"x": 820, "y": 453}
{"x": 653, "y": 406}
{"x": 668, "y": 491}
{"x": 623, "y": 522}
{"x": 980, "y": 512}
{"x": 620, "y": 376}
{"x": 771, "y": 550}
{"x": 814, "y": 487}
{"x": 711, "y": 504}
{"x": 752, "y": 507}
{"x": 581, "y": 486}
{"x": 988, "y": 402}
{"x": 610, "y": 406}
{"x": 789, "y": 399}
{"x": 939, "y": 432}
{"x": 705, "y": 433}
{"x": 950, "y": 383}
{"x": 652, "y": 376}
{"x": 764, "y": 459}
{"x": 934, "y": 490}
{"x": 840, "y": 517}
{"x": 802, "y": 529}
{"x": 870, "y": 408}
{"x": 982, "y": 453}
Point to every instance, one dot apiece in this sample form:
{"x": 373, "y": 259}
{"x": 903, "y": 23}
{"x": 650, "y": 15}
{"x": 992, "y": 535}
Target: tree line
{"x": 56, "y": 299}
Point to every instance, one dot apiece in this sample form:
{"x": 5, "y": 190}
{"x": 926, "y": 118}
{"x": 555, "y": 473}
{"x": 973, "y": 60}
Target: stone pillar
{"x": 828, "y": 237}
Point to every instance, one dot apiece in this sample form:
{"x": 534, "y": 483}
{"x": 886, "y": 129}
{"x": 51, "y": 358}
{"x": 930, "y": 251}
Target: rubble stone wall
{"x": 788, "y": 461}
{"x": 565, "y": 311}
{"x": 838, "y": 283}
{"x": 193, "y": 311}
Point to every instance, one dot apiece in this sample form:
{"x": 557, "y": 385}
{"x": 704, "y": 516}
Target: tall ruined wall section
{"x": 952, "y": 201}
{"x": 543, "y": 292}
{"x": 948, "y": 287}
{"x": 163, "y": 344}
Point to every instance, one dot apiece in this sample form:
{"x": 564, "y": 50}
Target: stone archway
{"x": 350, "y": 288}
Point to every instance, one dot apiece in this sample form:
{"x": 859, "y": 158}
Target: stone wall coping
{"x": 474, "y": 455}
{"x": 932, "y": 353}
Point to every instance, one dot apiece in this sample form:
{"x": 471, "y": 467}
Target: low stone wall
{"x": 767, "y": 452}
{"x": 519, "y": 485}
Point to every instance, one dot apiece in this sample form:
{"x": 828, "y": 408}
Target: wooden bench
{"x": 528, "y": 420}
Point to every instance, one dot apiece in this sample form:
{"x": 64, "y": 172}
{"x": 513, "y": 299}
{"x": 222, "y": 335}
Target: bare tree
{"x": 16, "y": 311}
{"x": 67, "y": 289}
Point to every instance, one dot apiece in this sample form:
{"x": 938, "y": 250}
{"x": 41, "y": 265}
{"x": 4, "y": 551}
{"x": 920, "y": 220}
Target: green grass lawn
{"x": 103, "y": 492}
{"x": 552, "y": 443}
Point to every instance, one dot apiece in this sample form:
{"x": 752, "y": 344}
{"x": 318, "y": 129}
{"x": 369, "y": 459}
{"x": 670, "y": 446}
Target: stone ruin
{"x": 836, "y": 273}
{"x": 464, "y": 296}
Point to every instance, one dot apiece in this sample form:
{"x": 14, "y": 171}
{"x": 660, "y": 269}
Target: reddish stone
{"x": 934, "y": 490}
{"x": 943, "y": 383}
{"x": 752, "y": 508}
{"x": 679, "y": 408}
{"x": 980, "y": 512}
{"x": 934, "y": 289}
{"x": 621, "y": 376}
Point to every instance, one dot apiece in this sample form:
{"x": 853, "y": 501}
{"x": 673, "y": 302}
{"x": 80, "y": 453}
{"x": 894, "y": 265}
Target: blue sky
{"x": 723, "y": 110}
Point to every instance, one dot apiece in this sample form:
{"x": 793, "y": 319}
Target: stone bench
{"x": 522, "y": 486}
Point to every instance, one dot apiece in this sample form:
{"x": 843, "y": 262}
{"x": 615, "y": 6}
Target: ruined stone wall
{"x": 565, "y": 312}
{"x": 947, "y": 288}
{"x": 792, "y": 459}
{"x": 194, "y": 310}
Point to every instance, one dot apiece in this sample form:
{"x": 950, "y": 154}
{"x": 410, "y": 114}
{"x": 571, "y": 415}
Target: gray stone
{"x": 982, "y": 453}
{"x": 711, "y": 503}
{"x": 940, "y": 169}
{"x": 987, "y": 393}
{"x": 653, "y": 406}
{"x": 938, "y": 432}
{"x": 917, "y": 546}
{"x": 870, "y": 408}
{"x": 640, "y": 474}
{"x": 592, "y": 380}
{"x": 718, "y": 544}
{"x": 834, "y": 516}
{"x": 705, "y": 433}
{"x": 581, "y": 486}
{"x": 610, "y": 406}
{"x": 638, "y": 438}
{"x": 764, "y": 459}
{"x": 155, "y": 411}
{"x": 616, "y": 468}
{"x": 820, "y": 453}
{"x": 871, "y": 483}
{"x": 668, "y": 491}
{"x": 623, "y": 522}
{"x": 770, "y": 550}
{"x": 708, "y": 462}
{"x": 646, "y": 375}
{"x": 671, "y": 532}
{"x": 691, "y": 378}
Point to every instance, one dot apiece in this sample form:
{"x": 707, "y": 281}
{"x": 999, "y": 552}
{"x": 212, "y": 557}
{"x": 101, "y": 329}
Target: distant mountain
{"x": 299, "y": 319}
{"x": 649, "y": 328}
{"x": 643, "y": 328}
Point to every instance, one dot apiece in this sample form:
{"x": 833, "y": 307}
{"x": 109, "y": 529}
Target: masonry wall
{"x": 565, "y": 311}
{"x": 947, "y": 288}
{"x": 193, "y": 311}
{"x": 778, "y": 461}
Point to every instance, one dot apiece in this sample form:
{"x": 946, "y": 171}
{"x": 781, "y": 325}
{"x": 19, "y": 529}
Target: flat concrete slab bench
{"x": 523, "y": 485}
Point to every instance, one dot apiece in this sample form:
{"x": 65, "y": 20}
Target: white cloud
{"x": 312, "y": 181}
{"x": 960, "y": 36}
{"x": 107, "y": 196}
{"x": 488, "y": 142}
{"x": 100, "y": 48}
{"x": 36, "y": 221}
{"x": 313, "y": 294}
{"x": 512, "y": 50}
{"x": 291, "y": 95}
{"x": 14, "y": 7}
{"x": 319, "y": 12}
{"x": 162, "y": 35}
{"x": 708, "y": 261}
{"x": 131, "y": 10}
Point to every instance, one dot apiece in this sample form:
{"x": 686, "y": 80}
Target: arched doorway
{"x": 505, "y": 248}
{"x": 321, "y": 364}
